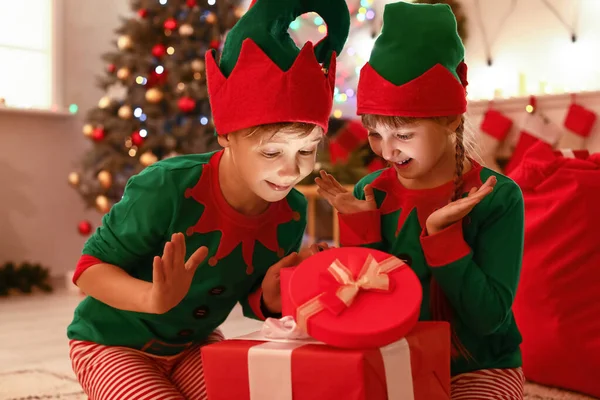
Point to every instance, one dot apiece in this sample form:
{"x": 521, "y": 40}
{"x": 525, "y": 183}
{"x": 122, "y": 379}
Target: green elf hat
{"x": 264, "y": 78}
{"x": 417, "y": 67}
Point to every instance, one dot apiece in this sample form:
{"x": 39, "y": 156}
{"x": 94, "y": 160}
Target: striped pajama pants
{"x": 489, "y": 384}
{"x": 121, "y": 373}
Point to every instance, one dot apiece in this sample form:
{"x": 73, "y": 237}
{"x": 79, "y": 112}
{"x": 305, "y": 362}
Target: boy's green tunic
{"x": 476, "y": 262}
{"x": 182, "y": 194}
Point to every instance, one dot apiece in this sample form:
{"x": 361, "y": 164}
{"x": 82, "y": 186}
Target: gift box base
{"x": 319, "y": 371}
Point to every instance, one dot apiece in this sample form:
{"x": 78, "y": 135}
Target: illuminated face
{"x": 271, "y": 165}
{"x": 415, "y": 150}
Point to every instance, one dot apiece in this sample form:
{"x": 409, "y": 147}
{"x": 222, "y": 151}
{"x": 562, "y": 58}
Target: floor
{"x": 34, "y": 345}
{"x": 34, "y": 362}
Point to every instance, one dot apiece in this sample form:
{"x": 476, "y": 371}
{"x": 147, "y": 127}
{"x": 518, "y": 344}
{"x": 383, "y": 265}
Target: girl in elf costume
{"x": 196, "y": 234}
{"x": 457, "y": 224}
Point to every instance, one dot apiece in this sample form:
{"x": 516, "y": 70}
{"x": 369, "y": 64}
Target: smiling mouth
{"x": 279, "y": 188}
{"x": 403, "y": 163}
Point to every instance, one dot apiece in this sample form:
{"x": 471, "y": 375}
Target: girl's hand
{"x": 172, "y": 275}
{"x": 271, "y": 283}
{"x": 341, "y": 199}
{"x": 457, "y": 210}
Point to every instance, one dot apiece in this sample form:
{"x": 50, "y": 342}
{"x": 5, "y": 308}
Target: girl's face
{"x": 418, "y": 151}
{"x": 271, "y": 165}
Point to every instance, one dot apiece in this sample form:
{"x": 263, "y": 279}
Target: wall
{"x": 38, "y": 211}
{"x": 533, "y": 55}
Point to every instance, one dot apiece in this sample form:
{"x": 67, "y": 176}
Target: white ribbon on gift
{"x": 270, "y": 363}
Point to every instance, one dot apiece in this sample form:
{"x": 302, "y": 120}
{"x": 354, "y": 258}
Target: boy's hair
{"x": 267, "y": 131}
{"x": 466, "y": 146}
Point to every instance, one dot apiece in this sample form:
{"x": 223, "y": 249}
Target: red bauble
{"x": 190, "y": 3}
{"x": 84, "y": 227}
{"x": 143, "y": 13}
{"x": 112, "y": 68}
{"x": 186, "y": 104}
{"x": 156, "y": 79}
{"x": 215, "y": 43}
{"x": 159, "y": 50}
{"x": 170, "y": 24}
{"x": 137, "y": 139}
{"x": 98, "y": 134}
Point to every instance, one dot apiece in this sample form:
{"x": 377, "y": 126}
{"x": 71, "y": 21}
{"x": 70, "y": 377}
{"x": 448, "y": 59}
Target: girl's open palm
{"x": 172, "y": 275}
{"x": 340, "y": 198}
{"x": 457, "y": 210}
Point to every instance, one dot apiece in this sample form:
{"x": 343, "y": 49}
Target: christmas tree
{"x": 156, "y": 103}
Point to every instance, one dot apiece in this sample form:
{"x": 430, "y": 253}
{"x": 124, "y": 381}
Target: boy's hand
{"x": 271, "y": 285}
{"x": 457, "y": 210}
{"x": 341, "y": 199}
{"x": 172, "y": 276}
{"x": 311, "y": 250}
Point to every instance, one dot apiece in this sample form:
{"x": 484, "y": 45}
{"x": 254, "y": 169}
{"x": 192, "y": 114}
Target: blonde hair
{"x": 268, "y": 131}
{"x": 464, "y": 140}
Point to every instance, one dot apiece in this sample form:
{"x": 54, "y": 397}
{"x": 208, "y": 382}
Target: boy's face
{"x": 271, "y": 165}
{"x": 414, "y": 150}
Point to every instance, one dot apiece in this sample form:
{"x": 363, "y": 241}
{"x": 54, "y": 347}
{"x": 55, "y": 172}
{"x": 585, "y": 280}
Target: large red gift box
{"x": 352, "y": 297}
{"x": 414, "y": 368}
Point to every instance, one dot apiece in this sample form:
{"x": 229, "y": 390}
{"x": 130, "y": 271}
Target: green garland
{"x": 23, "y": 278}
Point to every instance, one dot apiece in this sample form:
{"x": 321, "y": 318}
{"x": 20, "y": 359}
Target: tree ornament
{"x": 102, "y": 203}
{"x": 215, "y": 43}
{"x": 123, "y": 73}
{"x": 111, "y": 68}
{"x": 186, "y": 30}
{"x": 88, "y": 129}
{"x": 124, "y": 42}
{"x": 137, "y": 139}
{"x": 170, "y": 24}
{"x": 125, "y": 112}
{"x": 191, "y": 3}
{"x": 105, "y": 179}
{"x": 159, "y": 50}
{"x": 84, "y": 227}
{"x": 104, "y": 102}
{"x": 197, "y": 65}
{"x": 211, "y": 18}
{"x": 74, "y": 178}
{"x": 154, "y": 95}
{"x": 143, "y": 13}
{"x": 148, "y": 158}
{"x": 186, "y": 104}
{"x": 98, "y": 134}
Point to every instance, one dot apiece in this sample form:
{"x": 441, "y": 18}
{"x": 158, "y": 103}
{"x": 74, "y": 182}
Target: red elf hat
{"x": 417, "y": 67}
{"x": 263, "y": 77}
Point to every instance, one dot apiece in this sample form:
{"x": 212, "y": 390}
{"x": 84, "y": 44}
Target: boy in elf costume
{"x": 457, "y": 224}
{"x": 194, "y": 235}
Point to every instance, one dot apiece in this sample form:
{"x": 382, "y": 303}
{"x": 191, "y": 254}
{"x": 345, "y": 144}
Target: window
{"x": 27, "y": 53}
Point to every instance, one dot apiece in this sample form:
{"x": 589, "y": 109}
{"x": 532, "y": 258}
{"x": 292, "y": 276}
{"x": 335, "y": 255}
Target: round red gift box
{"x": 374, "y": 318}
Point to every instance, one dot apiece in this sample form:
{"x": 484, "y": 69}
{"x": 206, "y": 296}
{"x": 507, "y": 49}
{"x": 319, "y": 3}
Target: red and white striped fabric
{"x": 112, "y": 372}
{"x": 497, "y": 384}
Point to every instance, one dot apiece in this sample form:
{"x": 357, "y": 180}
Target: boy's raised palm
{"x": 457, "y": 210}
{"x": 341, "y": 199}
{"x": 172, "y": 275}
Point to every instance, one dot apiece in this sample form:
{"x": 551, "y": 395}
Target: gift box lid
{"x": 352, "y": 297}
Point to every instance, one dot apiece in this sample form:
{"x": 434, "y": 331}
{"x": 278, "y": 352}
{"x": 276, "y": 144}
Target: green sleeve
{"x": 361, "y": 229}
{"x": 480, "y": 282}
{"x": 136, "y": 226}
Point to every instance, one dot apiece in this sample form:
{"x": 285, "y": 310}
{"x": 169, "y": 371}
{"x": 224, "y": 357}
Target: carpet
{"x": 40, "y": 384}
